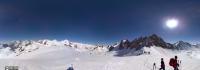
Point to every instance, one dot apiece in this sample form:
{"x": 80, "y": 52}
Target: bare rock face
{"x": 137, "y": 46}
{"x": 147, "y": 41}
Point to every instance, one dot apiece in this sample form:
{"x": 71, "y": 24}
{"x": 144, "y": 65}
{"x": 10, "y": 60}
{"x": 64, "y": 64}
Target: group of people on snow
{"x": 173, "y": 62}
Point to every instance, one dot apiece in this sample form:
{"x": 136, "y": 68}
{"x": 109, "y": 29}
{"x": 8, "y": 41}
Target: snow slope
{"x": 59, "y": 58}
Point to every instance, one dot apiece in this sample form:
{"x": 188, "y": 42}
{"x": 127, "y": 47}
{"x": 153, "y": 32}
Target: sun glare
{"x": 172, "y": 23}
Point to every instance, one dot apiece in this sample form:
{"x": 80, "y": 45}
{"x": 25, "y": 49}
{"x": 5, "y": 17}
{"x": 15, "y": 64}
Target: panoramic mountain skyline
{"x": 105, "y": 21}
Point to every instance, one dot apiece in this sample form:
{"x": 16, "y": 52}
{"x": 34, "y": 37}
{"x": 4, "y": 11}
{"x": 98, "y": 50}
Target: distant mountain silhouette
{"x": 147, "y": 41}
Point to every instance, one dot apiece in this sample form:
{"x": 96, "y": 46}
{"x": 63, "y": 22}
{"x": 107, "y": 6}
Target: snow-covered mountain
{"x": 197, "y": 45}
{"x": 181, "y": 45}
{"x": 59, "y": 55}
{"x": 16, "y": 48}
{"x": 139, "y": 43}
{"x": 147, "y": 41}
{"x": 153, "y": 40}
{"x": 136, "y": 46}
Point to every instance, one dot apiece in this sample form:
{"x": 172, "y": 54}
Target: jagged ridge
{"x": 152, "y": 40}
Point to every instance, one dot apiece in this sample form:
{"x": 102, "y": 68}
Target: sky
{"x": 98, "y": 21}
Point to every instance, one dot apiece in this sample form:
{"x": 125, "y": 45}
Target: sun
{"x": 172, "y": 23}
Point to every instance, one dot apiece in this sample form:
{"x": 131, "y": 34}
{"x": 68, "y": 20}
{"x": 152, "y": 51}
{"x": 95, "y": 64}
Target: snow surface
{"x": 84, "y": 57}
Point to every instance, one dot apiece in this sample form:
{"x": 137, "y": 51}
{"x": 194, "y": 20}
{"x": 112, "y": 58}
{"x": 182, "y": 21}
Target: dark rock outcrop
{"x": 147, "y": 41}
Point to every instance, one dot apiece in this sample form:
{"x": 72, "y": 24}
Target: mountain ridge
{"x": 152, "y": 40}
{"x": 25, "y": 46}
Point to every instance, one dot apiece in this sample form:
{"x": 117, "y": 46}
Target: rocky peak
{"x": 147, "y": 41}
{"x": 182, "y": 45}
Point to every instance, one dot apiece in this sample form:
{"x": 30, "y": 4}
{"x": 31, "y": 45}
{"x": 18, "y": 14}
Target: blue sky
{"x": 97, "y": 21}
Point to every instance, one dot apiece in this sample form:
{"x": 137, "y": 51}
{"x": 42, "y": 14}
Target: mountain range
{"x": 20, "y": 47}
{"x": 153, "y": 40}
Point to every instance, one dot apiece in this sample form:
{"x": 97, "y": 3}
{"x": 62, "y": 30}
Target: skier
{"x": 71, "y": 68}
{"x": 162, "y": 64}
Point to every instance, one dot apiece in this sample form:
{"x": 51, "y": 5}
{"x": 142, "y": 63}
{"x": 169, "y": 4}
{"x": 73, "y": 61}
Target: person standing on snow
{"x": 162, "y": 64}
{"x": 176, "y": 65}
{"x": 71, "y": 68}
{"x": 154, "y": 66}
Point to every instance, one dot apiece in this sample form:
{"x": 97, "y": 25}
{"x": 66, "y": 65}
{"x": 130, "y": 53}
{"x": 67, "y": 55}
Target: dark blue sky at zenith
{"x": 98, "y": 21}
